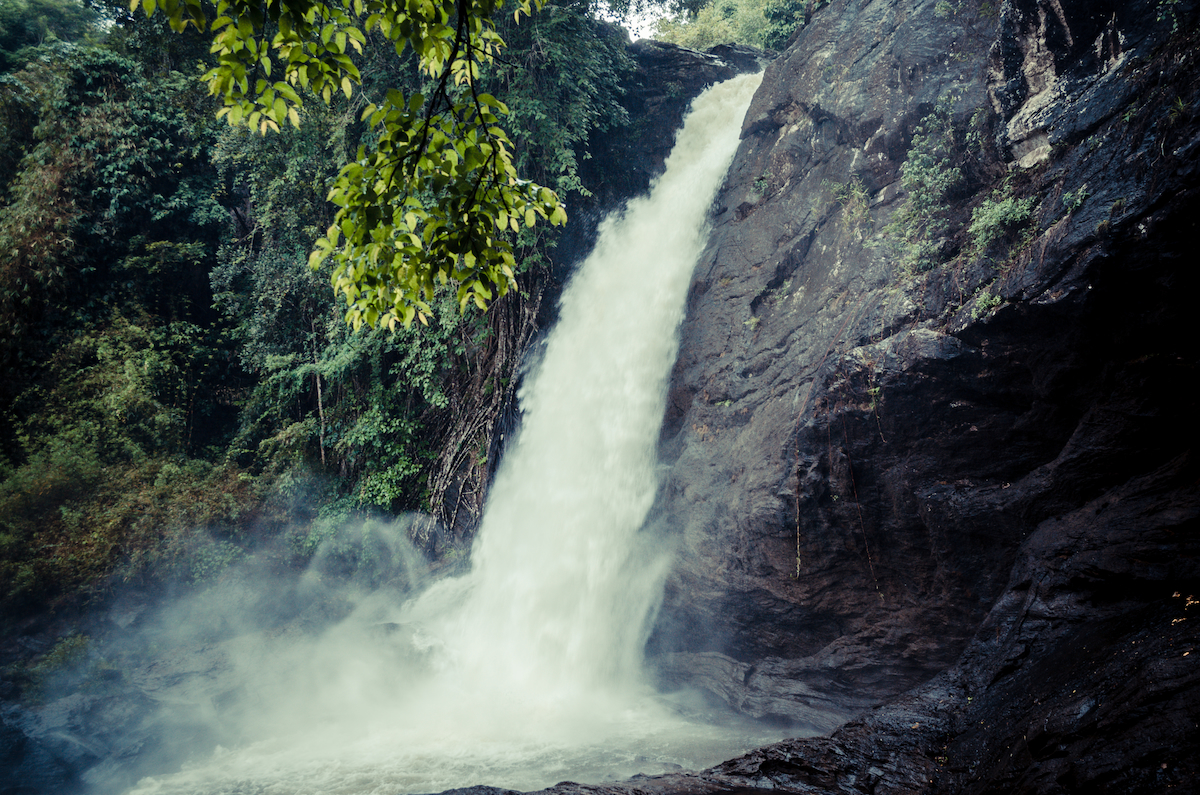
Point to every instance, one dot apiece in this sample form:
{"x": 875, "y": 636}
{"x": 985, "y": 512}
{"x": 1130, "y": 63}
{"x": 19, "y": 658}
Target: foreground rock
{"x": 1082, "y": 678}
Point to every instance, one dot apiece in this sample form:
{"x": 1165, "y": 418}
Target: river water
{"x": 527, "y": 670}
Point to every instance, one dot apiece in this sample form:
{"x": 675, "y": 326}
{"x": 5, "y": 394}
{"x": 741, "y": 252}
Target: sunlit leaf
{"x": 440, "y": 152}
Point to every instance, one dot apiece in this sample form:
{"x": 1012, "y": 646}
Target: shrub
{"x": 997, "y": 220}
{"x": 985, "y": 302}
{"x": 928, "y": 175}
{"x": 854, "y": 200}
{"x": 1073, "y": 200}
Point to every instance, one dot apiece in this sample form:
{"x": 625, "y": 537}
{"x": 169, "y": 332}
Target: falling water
{"x": 561, "y": 586}
{"x": 525, "y": 671}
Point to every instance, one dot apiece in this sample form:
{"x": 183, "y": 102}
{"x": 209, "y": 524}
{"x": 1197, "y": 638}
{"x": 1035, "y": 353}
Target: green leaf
{"x": 445, "y": 158}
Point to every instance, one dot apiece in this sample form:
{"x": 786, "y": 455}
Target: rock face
{"x": 973, "y": 459}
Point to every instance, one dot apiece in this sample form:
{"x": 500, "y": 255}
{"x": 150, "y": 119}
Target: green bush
{"x": 997, "y": 220}
{"x": 929, "y": 173}
{"x": 28, "y": 24}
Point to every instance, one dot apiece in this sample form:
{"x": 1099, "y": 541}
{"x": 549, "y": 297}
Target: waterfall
{"x": 561, "y": 586}
{"x": 526, "y": 670}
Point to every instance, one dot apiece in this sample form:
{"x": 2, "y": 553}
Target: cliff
{"x": 930, "y": 426}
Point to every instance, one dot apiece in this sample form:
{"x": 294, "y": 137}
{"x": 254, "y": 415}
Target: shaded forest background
{"x": 180, "y": 389}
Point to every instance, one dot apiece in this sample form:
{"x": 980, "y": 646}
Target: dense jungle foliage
{"x": 701, "y": 24}
{"x": 180, "y": 389}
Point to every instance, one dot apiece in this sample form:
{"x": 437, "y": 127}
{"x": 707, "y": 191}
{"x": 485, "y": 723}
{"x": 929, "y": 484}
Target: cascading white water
{"x": 561, "y": 588}
{"x": 526, "y": 670}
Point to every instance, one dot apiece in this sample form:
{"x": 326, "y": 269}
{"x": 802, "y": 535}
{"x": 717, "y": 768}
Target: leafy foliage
{"x": 944, "y": 167}
{"x": 759, "y": 23}
{"x": 111, "y": 202}
{"x": 564, "y": 86}
{"x": 1073, "y": 200}
{"x": 784, "y": 18}
{"x": 404, "y": 417}
{"x": 177, "y": 372}
{"x": 928, "y": 176}
{"x": 985, "y": 302}
{"x": 723, "y": 21}
{"x": 104, "y": 487}
{"x": 996, "y": 220}
{"x": 116, "y": 371}
{"x": 28, "y": 24}
{"x": 432, "y": 199}
{"x": 352, "y": 402}
{"x": 1168, "y": 10}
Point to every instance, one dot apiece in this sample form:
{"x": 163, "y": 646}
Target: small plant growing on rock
{"x": 985, "y": 302}
{"x": 1167, "y": 10}
{"x": 773, "y": 297}
{"x": 927, "y": 176}
{"x": 1073, "y": 200}
{"x": 997, "y": 219}
{"x": 854, "y": 200}
{"x": 762, "y": 183}
{"x": 945, "y": 9}
{"x": 1177, "y": 110}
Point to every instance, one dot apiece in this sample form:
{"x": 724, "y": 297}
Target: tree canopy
{"x": 25, "y": 24}
{"x": 437, "y": 196}
{"x": 181, "y": 386}
{"x": 760, "y": 23}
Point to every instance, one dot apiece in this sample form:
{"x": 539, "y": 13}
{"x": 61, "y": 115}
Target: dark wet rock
{"x": 791, "y": 483}
{"x": 30, "y": 764}
{"x": 863, "y": 460}
{"x": 479, "y": 791}
{"x": 113, "y": 727}
{"x": 1082, "y": 677}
